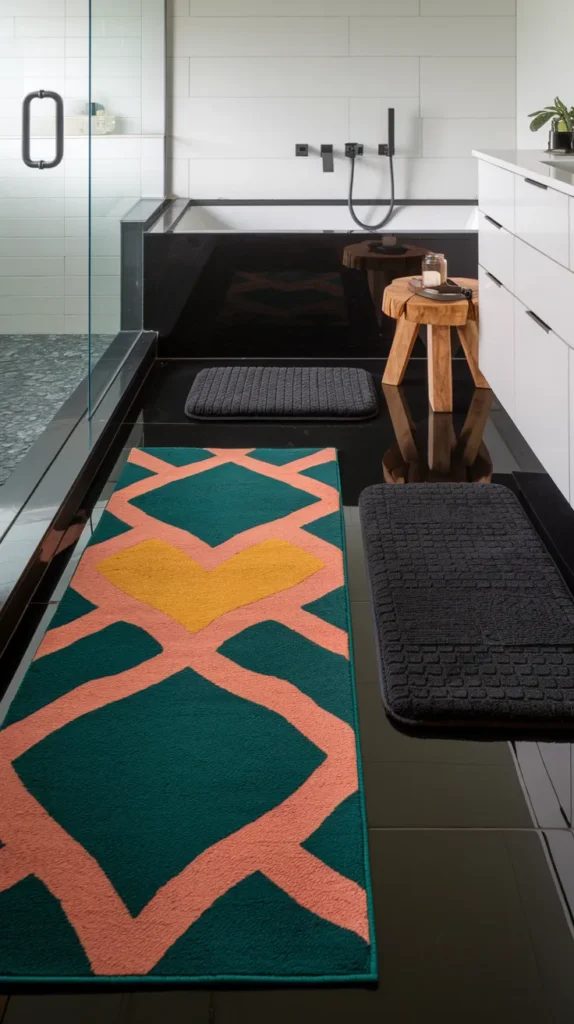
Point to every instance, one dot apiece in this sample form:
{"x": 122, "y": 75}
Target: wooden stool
{"x": 382, "y": 267}
{"x": 410, "y": 311}
{"x": 446, "y": 458}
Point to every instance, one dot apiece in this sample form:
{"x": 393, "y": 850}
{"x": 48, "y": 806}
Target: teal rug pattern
{"x": 182, "y": 800}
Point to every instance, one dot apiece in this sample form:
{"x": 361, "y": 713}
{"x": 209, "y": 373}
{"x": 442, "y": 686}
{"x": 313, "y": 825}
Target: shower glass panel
{"x": 44, "y": 186}
{"x": 115, "y": 131}
{"x": 126, "y": 131}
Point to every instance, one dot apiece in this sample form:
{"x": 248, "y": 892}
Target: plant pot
{"x": 561, "y": 140}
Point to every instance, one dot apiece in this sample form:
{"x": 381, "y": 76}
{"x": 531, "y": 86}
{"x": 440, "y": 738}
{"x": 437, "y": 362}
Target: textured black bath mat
{"x": 282, "y": 393}
{"x": 474, "y": 623}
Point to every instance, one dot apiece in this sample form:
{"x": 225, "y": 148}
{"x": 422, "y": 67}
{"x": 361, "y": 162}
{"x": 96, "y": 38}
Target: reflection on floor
{"x": 38, "y": 372}
{"x": 466, "y": 837}
{"x": 444, "y": 457}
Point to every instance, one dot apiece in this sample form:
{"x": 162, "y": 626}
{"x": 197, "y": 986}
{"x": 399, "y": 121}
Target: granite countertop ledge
{"x": 555, "y": 174}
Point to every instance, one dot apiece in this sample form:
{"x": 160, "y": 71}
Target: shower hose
{"x": 389, "y": 214}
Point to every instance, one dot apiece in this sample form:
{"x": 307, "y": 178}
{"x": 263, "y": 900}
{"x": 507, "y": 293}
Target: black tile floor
{"x": 471, "y": 841}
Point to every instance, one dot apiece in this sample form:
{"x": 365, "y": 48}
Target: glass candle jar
{"x": 443, "y": 267}
{"x": 432, "y": 270}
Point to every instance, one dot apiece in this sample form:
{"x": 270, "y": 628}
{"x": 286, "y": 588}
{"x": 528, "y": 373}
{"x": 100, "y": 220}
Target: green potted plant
{"x": 562, "y": 117}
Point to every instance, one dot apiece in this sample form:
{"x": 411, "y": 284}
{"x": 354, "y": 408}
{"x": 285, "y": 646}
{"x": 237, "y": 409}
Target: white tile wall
{"x": 234, "y": 128}
{"x": 466, "y": 87}
{"x": 51, "y": 52}
{"x": 32, "y": 8}
{"x": 458, "y": 136}
{"x": 452, "y": 8}
{"x": 44, "y": 215}
{"x": 44, "y": 231}
{"x": 294, "y": 179}
{"x": 258, "y": 37}
{"x": 293, "y": 76}
{"x": 433, "y": 37}
{"x": 248, "y": 79}
{"x": 544, "y": 67}
{"x": 305, "y": 8}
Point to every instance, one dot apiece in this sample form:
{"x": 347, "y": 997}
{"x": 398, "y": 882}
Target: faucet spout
{"x": 327, "y": 156}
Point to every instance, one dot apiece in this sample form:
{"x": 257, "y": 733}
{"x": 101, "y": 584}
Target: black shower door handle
{"x": 42, "y": 165}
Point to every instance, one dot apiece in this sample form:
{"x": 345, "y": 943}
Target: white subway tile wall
{"x": 44, "y": 231}
{"x": 247, "y": 81}
{"x": 51, "y": 52}
{"x": 44, "y": 215}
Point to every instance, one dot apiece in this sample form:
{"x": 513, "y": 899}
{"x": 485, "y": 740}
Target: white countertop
{"x": 556, "y": 173}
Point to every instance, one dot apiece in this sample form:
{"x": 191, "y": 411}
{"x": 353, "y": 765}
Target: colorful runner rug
{"x": 180, "y": 796}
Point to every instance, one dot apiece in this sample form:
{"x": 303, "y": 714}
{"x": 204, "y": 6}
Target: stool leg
{"x": 476, "y": 417}
{"x": 440, "y": 369}
{"x": 441, "y": 442}
{"x": 402, "y": 422}
{"x": 469, "y": 338}
{"x": 403, "y": 344}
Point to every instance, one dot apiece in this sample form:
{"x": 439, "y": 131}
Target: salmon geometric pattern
{"x": 192, "y": 599}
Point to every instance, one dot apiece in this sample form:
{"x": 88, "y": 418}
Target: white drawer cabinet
{"x": 541, "y": 218}
{"x": 542, "y": 393}
{"x": 496, "y": 338}
{"x": 496, "y": 249}
{"x": 545, "y": 287}
{"x": 496, "y": 193}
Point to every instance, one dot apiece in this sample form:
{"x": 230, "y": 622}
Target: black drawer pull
{"x": 538, "y": 321}
{"x": 491, "y": 220}
{"x": 538, "y": 184}
{"x": 493, "y": 278}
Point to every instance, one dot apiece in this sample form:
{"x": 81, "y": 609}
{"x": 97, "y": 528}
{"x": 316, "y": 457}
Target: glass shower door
{"x": 44, "y": 197}
{"x": 127, "y": 147}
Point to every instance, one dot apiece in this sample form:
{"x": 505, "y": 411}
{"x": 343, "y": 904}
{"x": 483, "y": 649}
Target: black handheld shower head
{"x": 388, "y": 148}
{"x": 385, "y": 149}
{"x": 391, "y": 131}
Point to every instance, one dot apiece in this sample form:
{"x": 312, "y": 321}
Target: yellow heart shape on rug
{"x": 165, "y": 578}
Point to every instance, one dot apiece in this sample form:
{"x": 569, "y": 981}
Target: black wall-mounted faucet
{"x": 327, "y": 155}
{"x": 388, "y": 148}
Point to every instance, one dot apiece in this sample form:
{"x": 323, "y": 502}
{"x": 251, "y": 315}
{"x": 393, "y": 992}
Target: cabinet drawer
{"x": 496, "y": 250}
{"x": 496, "y": 193}
{"x": 541, "y": 218}
{"x": 496, "y": 338}
{"x": 541, "y": 394}
{"x": 545, "y": 287}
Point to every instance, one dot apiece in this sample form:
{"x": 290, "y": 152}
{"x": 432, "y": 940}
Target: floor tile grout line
{"x": 467, "y": 828}
{"x": 445, "y": 764}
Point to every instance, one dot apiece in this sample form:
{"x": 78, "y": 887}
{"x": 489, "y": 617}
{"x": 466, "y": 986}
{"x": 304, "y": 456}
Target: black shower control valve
{"x": 353, "y": 149}
{"x": 301, "y": 149}
{"x": 383, "y": 149}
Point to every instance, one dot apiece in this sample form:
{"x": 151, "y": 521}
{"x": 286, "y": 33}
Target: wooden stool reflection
{"x": 410, "y": 311}
{"x": 447, "y": 458}
{"x": 382, "y": 267}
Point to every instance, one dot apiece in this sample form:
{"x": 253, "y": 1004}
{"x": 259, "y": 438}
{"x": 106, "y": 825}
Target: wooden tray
{"x": 415, "y": 285}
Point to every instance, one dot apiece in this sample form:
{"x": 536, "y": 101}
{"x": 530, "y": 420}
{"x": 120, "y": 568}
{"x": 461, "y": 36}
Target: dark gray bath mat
{"x": 282, "y": 393}
{"x": 474, "y": 623}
